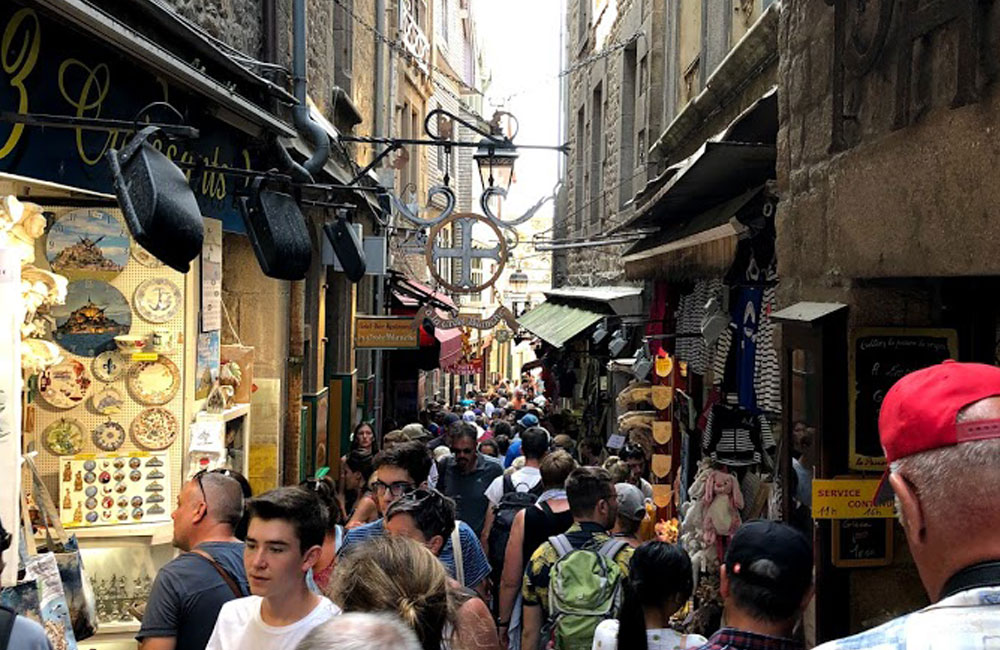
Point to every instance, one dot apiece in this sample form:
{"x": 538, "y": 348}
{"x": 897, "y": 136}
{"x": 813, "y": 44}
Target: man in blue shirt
{"x": 190, "y": 590}
{"x": 400, "y": 470}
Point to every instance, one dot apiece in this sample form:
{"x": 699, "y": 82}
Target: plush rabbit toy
{"x": 723, "y": 501}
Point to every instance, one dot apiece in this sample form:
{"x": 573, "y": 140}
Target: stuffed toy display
{"x": 723, "y": 501}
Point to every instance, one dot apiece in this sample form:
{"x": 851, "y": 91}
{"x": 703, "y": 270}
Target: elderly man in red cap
{"x": 940, "y": 430}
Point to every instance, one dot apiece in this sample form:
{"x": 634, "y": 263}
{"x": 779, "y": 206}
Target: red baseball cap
{"x": 919, "y": 412}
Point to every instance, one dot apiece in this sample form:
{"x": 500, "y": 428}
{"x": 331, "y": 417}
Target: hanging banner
{"x": 501, "y": 314}
{"x": 466, "y": 367}
{"x": 386, "y": 333}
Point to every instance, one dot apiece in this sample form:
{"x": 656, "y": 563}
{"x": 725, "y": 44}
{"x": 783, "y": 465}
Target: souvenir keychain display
{"x": 113, "y": 489}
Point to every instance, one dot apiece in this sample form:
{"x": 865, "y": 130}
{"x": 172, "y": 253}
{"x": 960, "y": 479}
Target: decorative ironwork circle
{"x": 432, "y": 253}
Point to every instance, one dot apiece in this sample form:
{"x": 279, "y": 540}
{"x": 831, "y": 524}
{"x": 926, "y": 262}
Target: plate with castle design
{"x": 88, "y": 245}
{"x": 94, "y": 314}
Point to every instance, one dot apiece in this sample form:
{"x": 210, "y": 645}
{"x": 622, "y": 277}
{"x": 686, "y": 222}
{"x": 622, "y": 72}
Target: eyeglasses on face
{"x": 397, "y": 489}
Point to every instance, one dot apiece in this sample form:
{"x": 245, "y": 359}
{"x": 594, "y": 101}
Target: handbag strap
{"x": 47, "y": 507}
{"x": 456, "y": 549}
{"x": 228, "y": 579}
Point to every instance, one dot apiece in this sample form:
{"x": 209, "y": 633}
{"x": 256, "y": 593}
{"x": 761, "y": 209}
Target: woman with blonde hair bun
{"x": 397, "y": 575}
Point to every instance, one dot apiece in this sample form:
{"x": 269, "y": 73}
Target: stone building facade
{"x": 886, "y": 140}
{"x": 636, "y": 65}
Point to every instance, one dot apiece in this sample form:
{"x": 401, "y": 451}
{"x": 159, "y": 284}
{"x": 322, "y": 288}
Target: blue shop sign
{"x": 48, "y": 68}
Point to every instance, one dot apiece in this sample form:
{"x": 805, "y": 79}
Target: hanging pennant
{"x": 664, "y": 364}
{"x": 663, "y": 432}
{"x": 662, "y": 495}
{"x": 662, "y": 464}
{"x": 662, "y": 397}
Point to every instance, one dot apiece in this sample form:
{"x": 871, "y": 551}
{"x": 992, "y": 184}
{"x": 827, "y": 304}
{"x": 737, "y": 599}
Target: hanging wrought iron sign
{"x": 495, "y": 155}
{"x": 502, "y": 314}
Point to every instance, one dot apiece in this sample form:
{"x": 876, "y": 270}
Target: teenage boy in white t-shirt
{"x": 283, "y": 542}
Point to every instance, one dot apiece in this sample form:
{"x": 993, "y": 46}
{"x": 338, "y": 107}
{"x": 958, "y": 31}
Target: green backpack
{"x": 585, "y": 587}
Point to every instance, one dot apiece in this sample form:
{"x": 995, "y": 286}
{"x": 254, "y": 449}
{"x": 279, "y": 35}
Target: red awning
{"x": 451, "y": 346}
{"x": 409, "y": 293}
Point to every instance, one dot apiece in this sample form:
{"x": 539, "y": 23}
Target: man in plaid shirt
{"x": 766, "y": 582}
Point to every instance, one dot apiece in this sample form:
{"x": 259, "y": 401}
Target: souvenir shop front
{"x": 704, "y": 394}
{"x": 115, "y": 386}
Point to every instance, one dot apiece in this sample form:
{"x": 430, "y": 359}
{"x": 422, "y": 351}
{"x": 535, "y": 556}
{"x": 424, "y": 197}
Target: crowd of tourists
{"x": 482, "y": 527}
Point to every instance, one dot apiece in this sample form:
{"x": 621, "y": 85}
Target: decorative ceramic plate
{"x": 157, "y": 300}
{"x": 108, "y": 402}
{"x": 94, "y": 314}
{"x": 64, "y": 437}
{"x": 144, "y": 257}
{"x": 154, "y": 429}
{"x": 109, "y": 436}
{"x": 108, "y": 365}
{"x": 154, "y": 382}
{"x": 88, "y": 245}
{"x": 65, "y": 384}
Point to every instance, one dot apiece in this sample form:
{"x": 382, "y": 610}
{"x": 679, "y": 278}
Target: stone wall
{"x": 234, "y": 22}
{"x": 891, "y": 216}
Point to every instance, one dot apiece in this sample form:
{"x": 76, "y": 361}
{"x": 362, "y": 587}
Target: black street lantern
{"x": 496, "y": 162}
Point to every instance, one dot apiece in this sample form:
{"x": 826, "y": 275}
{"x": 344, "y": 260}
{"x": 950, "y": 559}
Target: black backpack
{"x": 511, "y": 503}
{"x": 7, "y": 617}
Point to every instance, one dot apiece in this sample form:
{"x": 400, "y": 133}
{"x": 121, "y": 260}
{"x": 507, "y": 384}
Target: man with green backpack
{"x": 574, "y": 580}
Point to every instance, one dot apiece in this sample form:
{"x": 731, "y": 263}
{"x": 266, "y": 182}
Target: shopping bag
{"x": 39, "y": 596}
{"x": 79, "y": 593}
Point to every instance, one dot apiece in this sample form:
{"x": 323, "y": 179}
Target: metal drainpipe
{"x": 270, "y": 16}
{"x": 380, "y": 118}
{"x": 303, "y": 122}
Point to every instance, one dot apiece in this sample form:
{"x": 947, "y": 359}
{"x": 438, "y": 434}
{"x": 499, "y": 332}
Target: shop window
{"x": 626, "y": 156}
{"x": 596, "y": 154}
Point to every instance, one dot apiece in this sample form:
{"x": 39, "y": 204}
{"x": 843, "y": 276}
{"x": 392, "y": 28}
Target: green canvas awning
{"x": 557, "y": 324}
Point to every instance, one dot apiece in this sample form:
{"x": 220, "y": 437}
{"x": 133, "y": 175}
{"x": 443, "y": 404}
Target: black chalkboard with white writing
{"x": 862, "y": 542}
{"x": 879, "y": 358}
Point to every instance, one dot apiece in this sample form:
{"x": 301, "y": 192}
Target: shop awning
{"x": 451, "y": 346}
{"x": 719, "y": 172}
{"x": 740, "y": 158}
{"x": 691, "y": 247}
{"x": 556, "y": 324}
{"x": 412, "y": 294}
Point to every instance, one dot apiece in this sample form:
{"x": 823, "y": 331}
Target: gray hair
{"x": 224, "y": 498}
{"x": 361, "y": 631}
{"x": 956, "y": 482}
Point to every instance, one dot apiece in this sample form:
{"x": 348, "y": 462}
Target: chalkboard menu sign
{"x": 879, "y": 357}
{"x": 862, "y": 542}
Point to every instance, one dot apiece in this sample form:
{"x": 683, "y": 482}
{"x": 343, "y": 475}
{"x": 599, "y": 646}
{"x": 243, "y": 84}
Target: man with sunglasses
{"x": 18, "y": 632}
{"x": 401, "y": 470}
{"x": 466, "y": 475}
{"x": 190, "y": 590}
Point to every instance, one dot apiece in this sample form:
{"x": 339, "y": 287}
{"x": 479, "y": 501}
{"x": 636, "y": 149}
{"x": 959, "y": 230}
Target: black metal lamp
{"x": 496, "y": 162}
{"x": 518, "y": 282}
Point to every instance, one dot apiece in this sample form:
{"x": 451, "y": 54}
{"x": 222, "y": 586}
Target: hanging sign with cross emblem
{"x": 465, "y": 252}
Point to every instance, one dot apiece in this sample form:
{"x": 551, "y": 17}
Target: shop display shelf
{"x": 237, "y": 411}
{"x": 124, "y": 627}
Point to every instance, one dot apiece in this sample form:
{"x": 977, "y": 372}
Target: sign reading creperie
{"x": 847, "y": 499}
{"x": 386, "y": 333}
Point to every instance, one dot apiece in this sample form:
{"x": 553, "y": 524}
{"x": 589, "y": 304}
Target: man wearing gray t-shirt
{"x": 190, "y": 590}
{"x": 19, "y": 632}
